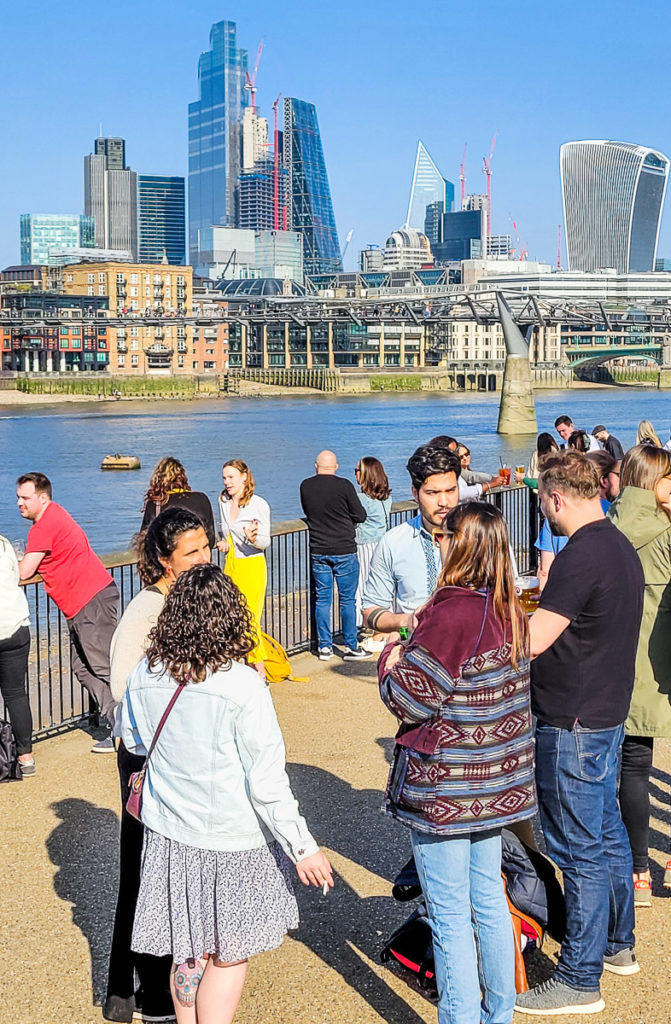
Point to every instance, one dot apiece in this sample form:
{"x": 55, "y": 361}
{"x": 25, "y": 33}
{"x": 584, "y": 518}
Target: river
{"x": 278, "y": 438}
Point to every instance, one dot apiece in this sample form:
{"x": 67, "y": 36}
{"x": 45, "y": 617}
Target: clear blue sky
{"x": 382, "y": 75}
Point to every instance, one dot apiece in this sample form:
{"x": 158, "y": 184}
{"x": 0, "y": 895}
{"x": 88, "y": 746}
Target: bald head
{"x": 326, "y": 462}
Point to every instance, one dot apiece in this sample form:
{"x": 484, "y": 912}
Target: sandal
{"x": 187, "y": 980}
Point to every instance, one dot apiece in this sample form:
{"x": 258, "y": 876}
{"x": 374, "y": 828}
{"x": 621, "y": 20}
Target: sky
{"x": 382, "y": 74}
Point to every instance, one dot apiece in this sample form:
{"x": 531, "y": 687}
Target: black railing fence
{"x": 57, "y": 699}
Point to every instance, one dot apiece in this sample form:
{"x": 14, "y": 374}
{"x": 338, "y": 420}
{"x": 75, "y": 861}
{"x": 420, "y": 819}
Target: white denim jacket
{"x": 216, "y": 779}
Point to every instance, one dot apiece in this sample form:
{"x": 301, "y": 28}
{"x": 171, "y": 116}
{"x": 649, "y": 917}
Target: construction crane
{"x": 347, "y": 241}
{"x": 250, "y": 80}
{"x": 487, "y": 170}
{"x": 276, "y": 167}
{"x": 462, "y": 176}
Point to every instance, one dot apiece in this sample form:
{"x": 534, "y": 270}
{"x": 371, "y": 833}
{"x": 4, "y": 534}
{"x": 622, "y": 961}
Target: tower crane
{"x": 487, "y": 170}
{"x": 276, "y": 165}
{"x": 250, "y": 80}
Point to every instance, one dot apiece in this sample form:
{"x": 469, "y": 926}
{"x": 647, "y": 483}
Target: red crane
{"x": 276, "y": 167}
{"x": 462, "y": 176}
{"x": 250, "y": 80}
{"x": 487, "y": 170}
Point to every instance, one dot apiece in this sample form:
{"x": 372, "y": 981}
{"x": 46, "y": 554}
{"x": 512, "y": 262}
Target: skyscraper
{"x": 309, "y": 196}
{"x": 215, "y": 129}
{"x": 42, "y": 232}
{"x": 110, "y": 196}
{"x": 161, "y": 219}
{"x": 428, "y": 187}
{"x": 613, "y": 194}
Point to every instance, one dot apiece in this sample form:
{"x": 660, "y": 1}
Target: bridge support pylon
{"x": 517, "y": 408}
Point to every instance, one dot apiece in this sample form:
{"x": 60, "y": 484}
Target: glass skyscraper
{"x": 428, "y": 187}
{"x": 161, "y": 219}
{"x": 613, "y": 195}
{"x": 41, "y": 232}
{"x": 309, "y": 195}
{"x": 215, "y": 126}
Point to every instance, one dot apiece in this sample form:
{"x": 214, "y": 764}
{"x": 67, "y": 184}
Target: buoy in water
{"x": 120, "y": 462}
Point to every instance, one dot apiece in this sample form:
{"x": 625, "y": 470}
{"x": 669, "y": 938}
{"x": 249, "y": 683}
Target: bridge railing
{"x": 57, "y": 699}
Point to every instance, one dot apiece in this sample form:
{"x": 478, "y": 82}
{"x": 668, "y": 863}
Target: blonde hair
{"x": 169, "y": 475}
{"x": 646, "y": 432}
{"x": 644, "y": 466}
{"x": 478, "y": 557}
{"x": 248, "y": 486}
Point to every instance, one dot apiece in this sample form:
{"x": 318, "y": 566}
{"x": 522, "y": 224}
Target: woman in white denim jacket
{"x": 221, "y": 822}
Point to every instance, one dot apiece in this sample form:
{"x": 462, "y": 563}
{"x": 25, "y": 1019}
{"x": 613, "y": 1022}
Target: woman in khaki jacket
{"x": 642, "y": 512}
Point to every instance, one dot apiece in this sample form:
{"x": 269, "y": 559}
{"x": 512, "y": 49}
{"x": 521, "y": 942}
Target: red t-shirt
{"x": 72, "y": 573}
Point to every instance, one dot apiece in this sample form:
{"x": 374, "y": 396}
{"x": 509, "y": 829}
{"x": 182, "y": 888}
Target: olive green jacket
{"x": 636, "y": 514}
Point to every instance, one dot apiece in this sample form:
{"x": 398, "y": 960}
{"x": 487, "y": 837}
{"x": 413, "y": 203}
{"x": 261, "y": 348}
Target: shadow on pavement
{"x": 84, "y": 847}
{"x": 350, "y": 821}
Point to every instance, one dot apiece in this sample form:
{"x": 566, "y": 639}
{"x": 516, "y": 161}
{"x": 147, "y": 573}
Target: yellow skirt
{"x": 250, "y": 576}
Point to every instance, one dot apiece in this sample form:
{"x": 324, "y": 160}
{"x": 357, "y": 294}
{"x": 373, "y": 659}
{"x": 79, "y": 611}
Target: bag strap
{"x": 171, "y": 704}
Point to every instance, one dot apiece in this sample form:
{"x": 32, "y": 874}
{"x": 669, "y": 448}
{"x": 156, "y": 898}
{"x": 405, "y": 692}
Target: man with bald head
{"x": 332, "y": 510}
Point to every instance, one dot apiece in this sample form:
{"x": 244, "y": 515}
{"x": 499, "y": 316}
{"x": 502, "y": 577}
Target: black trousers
{"x": 635, "y": 796}
{"x": 13, "y": 669}
{"x": 153, "y": 972}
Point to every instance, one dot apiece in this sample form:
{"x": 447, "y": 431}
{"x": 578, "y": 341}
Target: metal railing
{"x": 57, "y": 699}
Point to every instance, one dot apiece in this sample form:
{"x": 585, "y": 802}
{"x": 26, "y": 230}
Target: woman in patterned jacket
{"x": 463, "y": 765}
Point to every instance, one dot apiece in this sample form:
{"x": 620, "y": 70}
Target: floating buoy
{"x": 120, "y": 462}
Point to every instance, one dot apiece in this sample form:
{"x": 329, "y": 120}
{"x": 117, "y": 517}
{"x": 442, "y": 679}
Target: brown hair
{"x": 204, "y": 625}
{"x": 479, "y": 556}
{"x": 644, "y": 466}
{"x": 41, "y": 483}
{"x": 169, "y": 475}
{"x": 570, "y": 472}
{"x": 373, "y": 479}
{"x": 579, "y": 441}
{"x": 248, "y": 487}
{"x": 603, "y": 460}
{"x": 647, "y": 433}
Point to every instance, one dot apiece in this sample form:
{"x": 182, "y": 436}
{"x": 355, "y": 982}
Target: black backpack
{"x": 9, "y": 762}
{"x": 411, "y": 946}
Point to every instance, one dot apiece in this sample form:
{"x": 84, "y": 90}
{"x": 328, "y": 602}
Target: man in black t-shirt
{"x": 583, "y": 639}
{"x": 332, "y": 510}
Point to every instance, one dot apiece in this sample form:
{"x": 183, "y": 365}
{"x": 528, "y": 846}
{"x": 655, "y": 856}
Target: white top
{"x": 13, "y": 602}
{"x": 256, "y": 508}
{"x": 129, "y": 642}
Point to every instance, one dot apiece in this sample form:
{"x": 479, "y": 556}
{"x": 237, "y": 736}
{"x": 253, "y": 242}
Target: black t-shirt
{"x": 614, "y": 448}
{"x": 332, "y": 509}
{"x": 587, "y": 676}
{"x": 194, "y": 501}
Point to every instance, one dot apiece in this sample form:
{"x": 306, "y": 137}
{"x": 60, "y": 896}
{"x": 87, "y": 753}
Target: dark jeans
{"x": 91, "y": 632}
{"x": 153, "y": 972}
{"x": 576, "y": 778}
{"x": 13, "y": 669}
{"x": 344, "y": 569}
{"x": 635, "y": 796}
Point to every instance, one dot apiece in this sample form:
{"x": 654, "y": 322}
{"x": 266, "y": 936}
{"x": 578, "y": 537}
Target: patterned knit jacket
{"x": 464, "y": 758}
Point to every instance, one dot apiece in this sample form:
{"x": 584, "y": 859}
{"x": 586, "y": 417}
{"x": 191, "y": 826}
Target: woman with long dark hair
{"x": 463, "y": 767}
{"x": 175, "y": 541}
{"x": 641, "y": 512}
{"x": 221, "y": 822}
{"x": 169, "y": 488}
{"x": 375, "y": 496}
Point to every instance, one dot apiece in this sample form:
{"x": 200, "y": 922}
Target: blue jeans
{"x": 345, "y": 570}
{"x": 576, "y": 778}
{"x": 473, "y": 942}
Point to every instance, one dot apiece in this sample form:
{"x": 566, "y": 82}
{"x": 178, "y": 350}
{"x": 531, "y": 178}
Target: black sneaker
{"x": 119, "y": 1009}
{"x": 553, "y": 997}
{"x": 623, "y": 962}
{"x": 356, "y": 654}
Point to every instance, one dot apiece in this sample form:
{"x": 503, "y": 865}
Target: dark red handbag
{"x": 136, "y": 781}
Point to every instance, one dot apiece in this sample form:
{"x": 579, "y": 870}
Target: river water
{"x": 278, "y": 438}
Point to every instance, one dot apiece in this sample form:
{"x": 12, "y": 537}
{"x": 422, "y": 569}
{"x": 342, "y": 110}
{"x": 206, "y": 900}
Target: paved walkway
{"x": 58, "y": 872}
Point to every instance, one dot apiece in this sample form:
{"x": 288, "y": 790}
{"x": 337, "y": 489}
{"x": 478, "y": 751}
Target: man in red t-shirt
{"x": 77, "y": 582}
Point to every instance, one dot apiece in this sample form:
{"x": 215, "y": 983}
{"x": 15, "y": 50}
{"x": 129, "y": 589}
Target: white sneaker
{"x": 325, "y": 653}
{"x": 373, "y": 646}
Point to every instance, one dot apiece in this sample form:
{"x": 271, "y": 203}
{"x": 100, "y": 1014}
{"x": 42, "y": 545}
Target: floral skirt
{"x": 229, "y": 904}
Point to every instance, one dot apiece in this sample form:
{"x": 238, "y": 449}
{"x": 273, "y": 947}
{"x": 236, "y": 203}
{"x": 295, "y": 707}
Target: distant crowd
{"x": 501, "y": 715}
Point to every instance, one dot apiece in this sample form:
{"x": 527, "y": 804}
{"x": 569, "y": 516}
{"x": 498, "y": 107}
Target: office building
{"x": 136, "y": 287}
{"x": 215, "y": 129}
{"x": 662, "y": 264}
{"x": 434, "y": 212}
{"x": 619, "y": 289}
{"x": 254, "y": 138}
{"x": 460, "y": 236}
{"x": 279, "y": 254}
{"x": 41, "y": 232}
{"x": 310, "y": 209}
{"x": 499, "y": 245}
{"x": 161, "y": 219}
{"x": 475, "y": 202}
{"x": 428, "y": 187}
{"x": 613, "y": 194}
{"x": 371, "y": 260}
{"x": 110, "y": 196}
{"x": 406, "y": 249}
{"x": 234, "y": 254}
{"x": 256, "y": 196}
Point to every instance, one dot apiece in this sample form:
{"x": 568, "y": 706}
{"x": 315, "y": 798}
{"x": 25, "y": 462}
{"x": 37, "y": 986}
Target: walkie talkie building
{"x": 613, "y": 194}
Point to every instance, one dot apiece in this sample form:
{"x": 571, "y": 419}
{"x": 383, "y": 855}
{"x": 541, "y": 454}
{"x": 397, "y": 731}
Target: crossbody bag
{"x": 136, "y": 781}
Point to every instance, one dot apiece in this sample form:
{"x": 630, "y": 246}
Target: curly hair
{"x": 160, "y": 539}
{"x": 204, "y": 625}
{"x": 169, "y": 475}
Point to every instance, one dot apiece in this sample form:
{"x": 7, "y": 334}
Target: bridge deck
{"x": 59, "y": 862}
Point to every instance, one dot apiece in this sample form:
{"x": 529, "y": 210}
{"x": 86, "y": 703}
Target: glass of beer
{"x": 527, "y": 588}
